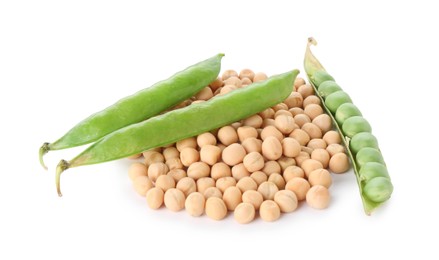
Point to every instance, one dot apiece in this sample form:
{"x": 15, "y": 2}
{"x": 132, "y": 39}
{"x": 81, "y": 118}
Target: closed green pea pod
{"x": 346, "y": 111}
{"x": 328, "y": 87}
{"x": 355, "y": 125}
{"x": 378, "y": 189}
{"x": 336, "y": 99}
{"x": 368, "y": 154}
{"x": 140, "y": 106}
{"x": 371, "y": 170}
{"x": 362, "y": 140}
{"x": 182, "y": 123}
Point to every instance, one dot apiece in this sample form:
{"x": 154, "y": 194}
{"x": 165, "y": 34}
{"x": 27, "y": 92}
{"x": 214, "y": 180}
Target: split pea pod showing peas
{"x": 362, "y": 146}
{"x": 185, "y": 122}
{"x": 139, "y": 106}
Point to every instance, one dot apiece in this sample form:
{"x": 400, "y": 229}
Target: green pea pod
{"x": 373, "y": 192}
{"x": 185, "y": 122}
{"x": 139, "y": 106}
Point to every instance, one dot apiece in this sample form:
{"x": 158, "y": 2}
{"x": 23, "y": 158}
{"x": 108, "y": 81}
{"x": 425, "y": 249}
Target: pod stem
{"x": 62, "y": 166}
{"x": 45, "y": 148}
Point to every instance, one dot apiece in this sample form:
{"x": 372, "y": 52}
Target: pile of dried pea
{"x": 266, "y": 163}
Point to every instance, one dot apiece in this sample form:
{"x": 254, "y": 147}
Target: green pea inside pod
{"x": 361, "y": 140}
{"x": 368, "y": 154}
{"x": 346, "y": 111}
{"x": 320, "y": 76}
{"x": 372, "y": 170}
{"x": 355, "y": 125}
{"x": 378, "y": 189}
{"x": 336, "y": 99}
{"x": 328, "y": 87}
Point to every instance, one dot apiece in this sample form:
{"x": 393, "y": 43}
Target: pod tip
{"x": 45, "y": 148}
{"x": 312, "y": 41}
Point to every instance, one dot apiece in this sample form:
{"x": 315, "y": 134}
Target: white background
{"x": 62, "y": 60}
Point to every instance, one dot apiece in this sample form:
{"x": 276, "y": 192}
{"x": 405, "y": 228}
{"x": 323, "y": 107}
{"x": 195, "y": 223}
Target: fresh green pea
{"x": 355, "y": 125}
{"x": 346, "y": 111}
{"x": 140, "y": 106}
{"x": 371, "y": 170}
{"x": 368, "y": 154}
{"x": 321, "y": 76}
{"x": 328, "y": 87}
{"x": 361, "y": 140}
{"x": 336, "y": 99}
{"x": 182, "y": 123}
{"x": 378, "y": 189}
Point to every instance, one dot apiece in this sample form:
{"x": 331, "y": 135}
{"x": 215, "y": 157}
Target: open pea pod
{"x": 362, "y": 147}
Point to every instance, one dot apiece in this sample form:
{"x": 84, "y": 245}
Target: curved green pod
{"x": 373, "y": 191}
{"x": 185, "y": 122}
{"x": 140, "y": 106}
